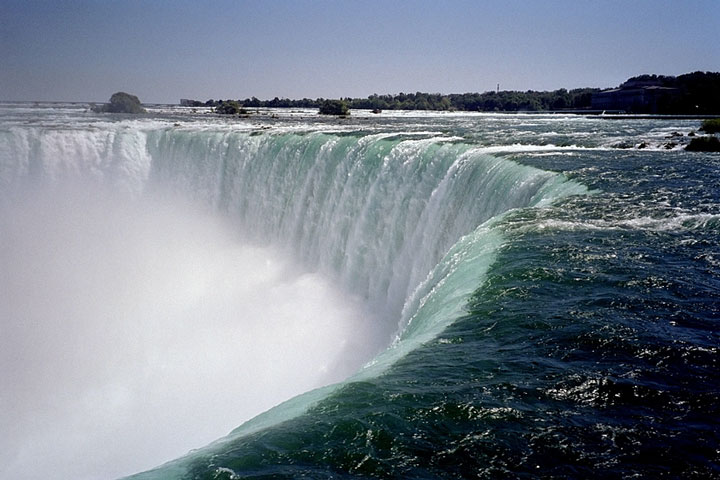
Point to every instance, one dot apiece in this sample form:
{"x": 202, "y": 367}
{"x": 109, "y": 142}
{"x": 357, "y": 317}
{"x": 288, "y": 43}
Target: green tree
{"x": 121, "y": 102}
{"x": 334, "y": 107}
{"x": 229, "y": 107}
{"x": 711, "y": 125}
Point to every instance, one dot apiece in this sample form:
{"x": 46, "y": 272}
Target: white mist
{"x": 132, "y": 331}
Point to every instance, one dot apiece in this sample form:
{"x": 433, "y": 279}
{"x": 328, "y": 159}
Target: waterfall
{"x": 377, "y": 212}
{"x": 405, "y": 224}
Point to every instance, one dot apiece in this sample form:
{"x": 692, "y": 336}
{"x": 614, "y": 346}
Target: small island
{"x": 230, "y": 107}
{"x": 334, "y": 107}
{"x": 706, "y": 143}
{"x": 120, "y": 102}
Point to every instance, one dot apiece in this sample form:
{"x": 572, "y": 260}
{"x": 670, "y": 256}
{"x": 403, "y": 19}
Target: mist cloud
{"x": 133, "y": 331}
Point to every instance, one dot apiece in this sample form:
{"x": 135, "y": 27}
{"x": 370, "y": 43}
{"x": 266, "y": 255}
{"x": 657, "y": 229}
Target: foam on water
{"x": 151, "y": 312}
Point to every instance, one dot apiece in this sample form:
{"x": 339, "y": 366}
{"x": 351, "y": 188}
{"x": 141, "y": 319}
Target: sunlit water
{"x": 483, "y": 295}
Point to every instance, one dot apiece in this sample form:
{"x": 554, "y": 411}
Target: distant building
{"x": 637, "y": 96}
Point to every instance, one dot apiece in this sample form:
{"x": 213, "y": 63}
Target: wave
{"x": 676, "y": 223}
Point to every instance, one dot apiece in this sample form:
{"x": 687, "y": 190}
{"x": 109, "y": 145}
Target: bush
{"x": 334, "y": 107}
{"x": 230, "y": 107}
{"x": 704, "y": 144}
{"x": 711, "y": 126}
{"x": 121, "y": 102}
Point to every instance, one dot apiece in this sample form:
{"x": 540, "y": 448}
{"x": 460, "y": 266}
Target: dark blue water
{"x": 590, "y": 351}
{"x": 587, "y": 348}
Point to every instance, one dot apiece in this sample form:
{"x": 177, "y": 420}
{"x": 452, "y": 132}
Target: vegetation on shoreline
{"x": 334, "y": 107}
{"x": 695, "y": 93}
{"x": 577, "y": 99}
{"x": 711, "y": 125}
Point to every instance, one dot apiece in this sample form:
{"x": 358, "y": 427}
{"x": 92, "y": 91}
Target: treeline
{"x": 509, "y": 101}
{"x": 697, "y": 92}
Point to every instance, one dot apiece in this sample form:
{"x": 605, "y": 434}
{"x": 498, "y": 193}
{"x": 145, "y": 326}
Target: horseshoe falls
{"x": 403, "y": 295}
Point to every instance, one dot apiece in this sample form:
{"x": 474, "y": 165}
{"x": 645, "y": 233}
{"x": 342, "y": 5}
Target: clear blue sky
{"x": 84, "y": 50}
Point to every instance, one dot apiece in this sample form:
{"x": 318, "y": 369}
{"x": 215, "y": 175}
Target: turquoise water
{"x": 542, "y": 292}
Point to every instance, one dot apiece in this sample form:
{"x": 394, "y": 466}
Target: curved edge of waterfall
{"x": 437, "y": 302}
{"x": 409, "y": 225}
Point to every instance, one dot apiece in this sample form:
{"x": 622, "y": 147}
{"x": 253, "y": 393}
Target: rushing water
{"x": 406, "y": 295}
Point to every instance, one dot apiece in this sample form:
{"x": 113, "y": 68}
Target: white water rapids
{"x": 160, "y": 286}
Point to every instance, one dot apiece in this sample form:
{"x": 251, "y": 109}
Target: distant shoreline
{"x": 604, "y": 114}
{"x": 632, "y": 116}
{"x": 690, "y": 94}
